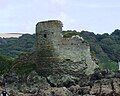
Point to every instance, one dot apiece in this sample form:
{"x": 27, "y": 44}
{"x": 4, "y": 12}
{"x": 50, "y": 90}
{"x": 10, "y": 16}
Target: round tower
{"x": 47, "y": 39}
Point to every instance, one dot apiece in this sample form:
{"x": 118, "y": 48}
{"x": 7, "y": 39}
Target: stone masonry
{"x": 58, "y": 54}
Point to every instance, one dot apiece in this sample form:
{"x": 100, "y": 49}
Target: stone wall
{"x": 53, "y": 50}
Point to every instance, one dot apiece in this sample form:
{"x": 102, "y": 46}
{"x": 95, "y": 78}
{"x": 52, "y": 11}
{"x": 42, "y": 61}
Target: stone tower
{"x": 47, "y": 39}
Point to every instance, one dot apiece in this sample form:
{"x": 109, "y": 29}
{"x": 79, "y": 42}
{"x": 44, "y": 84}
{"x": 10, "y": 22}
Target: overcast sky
{"x": 98, "y": 16}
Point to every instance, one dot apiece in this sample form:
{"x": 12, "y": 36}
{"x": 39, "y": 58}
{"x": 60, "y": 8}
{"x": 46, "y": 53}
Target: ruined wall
{"x": 75, "y": 49}
{"x": 53, "y": 49}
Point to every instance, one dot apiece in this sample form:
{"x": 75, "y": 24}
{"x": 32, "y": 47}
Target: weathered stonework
{"x": 55, "y": 53}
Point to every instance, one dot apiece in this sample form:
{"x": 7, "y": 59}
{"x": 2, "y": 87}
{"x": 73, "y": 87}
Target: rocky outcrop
{"x": 63, "y": 85}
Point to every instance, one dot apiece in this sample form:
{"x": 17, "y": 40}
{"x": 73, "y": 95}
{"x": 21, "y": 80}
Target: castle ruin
{"x": 55, "y": 53}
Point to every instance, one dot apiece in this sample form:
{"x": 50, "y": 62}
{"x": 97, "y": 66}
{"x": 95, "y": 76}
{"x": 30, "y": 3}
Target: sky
{"x": 98, "y": 16}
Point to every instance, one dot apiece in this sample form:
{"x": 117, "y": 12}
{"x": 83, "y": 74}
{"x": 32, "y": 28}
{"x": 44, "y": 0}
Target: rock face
{"x": 56, "y": 54}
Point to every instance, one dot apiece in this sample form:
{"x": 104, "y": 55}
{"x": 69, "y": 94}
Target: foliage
{"x": 5, "y": 64}
{"x": 70, "y": 33}
{"x": 25, "y": 69}
{"x": 15, "y": 46}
